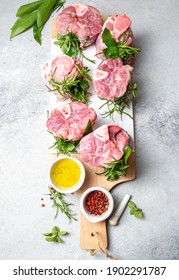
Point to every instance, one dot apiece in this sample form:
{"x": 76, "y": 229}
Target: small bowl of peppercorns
{"x": 96, "y": 204}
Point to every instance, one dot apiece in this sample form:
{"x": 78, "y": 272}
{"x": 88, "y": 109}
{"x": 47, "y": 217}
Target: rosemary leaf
{"x": 119, "y": 104}
{"x": 60, "y": 204}
{"x": 117, "y": 168}
{"x": 71, "y": 46}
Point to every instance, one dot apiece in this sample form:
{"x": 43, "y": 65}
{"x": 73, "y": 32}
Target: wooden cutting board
{"x": 87, "y": 229}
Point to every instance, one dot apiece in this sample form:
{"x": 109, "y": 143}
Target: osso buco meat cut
{"x": 103, "y": 145}
{"x": 70, "y": 120}
{"x": 59, "y": 68}
{"x": 111, "y": 79}
{"x": 83, "y": 20}
{"x": 119, "y": 27}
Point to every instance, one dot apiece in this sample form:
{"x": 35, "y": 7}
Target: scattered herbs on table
{"x": 60, "y": 204}
{"x": 119, "y": 104}
{"x": 71, "y": 46}
{"x": 117, "y": 168}
{"x": 96, "y": 203}
{"x": 137, "y": 212}
{"x": 35, "y": 15}
{"x": 74, "y": 88}
{"x": 66, "y": 147}
{"x": 55, "y": 235}
{"x": 115, "y": 50}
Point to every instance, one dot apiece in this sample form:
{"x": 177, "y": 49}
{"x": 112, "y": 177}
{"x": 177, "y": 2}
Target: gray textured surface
{"x": 24, "y": 158}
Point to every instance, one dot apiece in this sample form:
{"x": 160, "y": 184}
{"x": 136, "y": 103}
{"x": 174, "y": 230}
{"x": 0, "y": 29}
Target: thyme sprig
{"x": 120, "y": 104}
{"x": 71, "y": 46}
{"x": 115, "y": 50}
{"x": 117, "y": 168}
{"x": 74, "y": 88}
{"x": 65, "y": 146}
{"x": 60, "y": 204}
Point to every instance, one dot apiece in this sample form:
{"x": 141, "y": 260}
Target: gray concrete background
{"x": 24, "y": 157}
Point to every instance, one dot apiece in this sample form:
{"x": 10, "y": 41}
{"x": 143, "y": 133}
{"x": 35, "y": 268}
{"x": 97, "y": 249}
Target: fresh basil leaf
{"x": 112, "y": 52}
{"x": 71, "y": 147}
{"x": 55, "y": 230}
{"x": 84, "y": 84}
{"x": 47, "y": 234}
{"x": 37, "y": 33}
{"x": 131, "y": 204}
{"x": 61, "y": 233}
{"x": 50, "y": 239}
{"x": 44, "y": 11}
{"x": 28, "y": 8}
{"x": 132, "y": 211}
{"x": 107, "y": 38}
{"x": 59, "y": 240}
{"x": 127, "y": 153}
{"x": 89, "y": 128}
{"x": 22, "y": 24}
{"x": 138, "y": 214}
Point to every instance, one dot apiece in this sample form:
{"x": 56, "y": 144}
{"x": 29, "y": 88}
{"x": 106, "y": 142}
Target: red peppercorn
{"x": 42, "y": 205}
{"x": 96, "y": 203}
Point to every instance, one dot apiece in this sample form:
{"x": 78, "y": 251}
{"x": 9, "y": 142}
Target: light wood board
{"x": 87, "y": 240}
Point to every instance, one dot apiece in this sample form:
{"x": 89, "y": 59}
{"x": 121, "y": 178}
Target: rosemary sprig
{"x": 74, "y": 88}
{"x": 119, "y": 104}
{"x": 71, "y": 46}
{"x": 60, "y": 204}
{"x": 114, "y": 50}
{"x": 117, "y": 168}
{"x": 66, "y": 147}
{"x": 55, "y": 235}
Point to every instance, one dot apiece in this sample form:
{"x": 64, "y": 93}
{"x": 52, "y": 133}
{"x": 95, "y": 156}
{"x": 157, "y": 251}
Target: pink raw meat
{"x": 103, "y": 145}
{"x": 119, "y": 27}
{"x": 83, "y": 20}
{"x": 60, "y": 67}
{"x": 111, "y": 79}
{"x": 70, "y": 120}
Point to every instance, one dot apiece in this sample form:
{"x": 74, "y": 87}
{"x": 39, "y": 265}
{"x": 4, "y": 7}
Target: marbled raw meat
{"x": 103, "y": 145}
{"x": 70, "y": 120}
{"x": 83, "y": 20}
{"x": 111, "y": 78}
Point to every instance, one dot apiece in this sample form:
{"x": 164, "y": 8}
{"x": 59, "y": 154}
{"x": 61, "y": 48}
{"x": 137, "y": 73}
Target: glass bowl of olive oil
{"x": 67, "y": 174}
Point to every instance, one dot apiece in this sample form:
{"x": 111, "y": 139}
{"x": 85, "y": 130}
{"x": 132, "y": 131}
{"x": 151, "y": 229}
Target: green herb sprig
{"x": 55, "y": 235}
{"x": 34, "y": 15}
{"x": 120, "y": 104}
{"x": 114, "y": 50}
{"x": 66, "y": 147}
{"x": 74, "y": 88}
{"x": 137, "y": 212}
{"x": 60, "y": 204}
{"x": 117, "y": 168}
{"x": 71, "y": 46}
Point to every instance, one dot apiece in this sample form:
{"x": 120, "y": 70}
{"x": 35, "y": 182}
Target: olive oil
{"x": 65, "y": 173}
